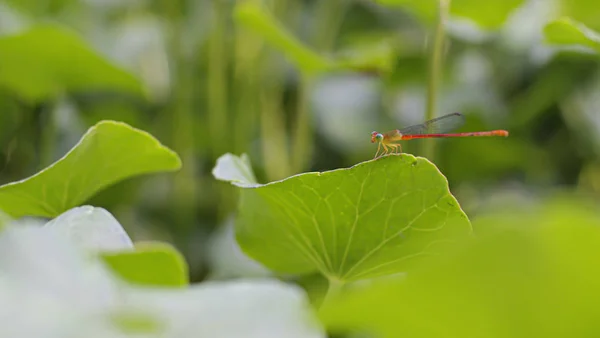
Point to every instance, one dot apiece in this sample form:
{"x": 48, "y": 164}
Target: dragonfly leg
{"x": 394, "y": 147}
{"x": 386, "y": 150}
{"x": 378, "y": 148}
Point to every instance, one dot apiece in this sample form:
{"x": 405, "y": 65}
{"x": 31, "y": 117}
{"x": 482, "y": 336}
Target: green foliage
{"x": 108, "y": 153}
{"x": 363, "y": 241}
{"x": 530, "y": 273}
{"x": 377, "y": 57}
{"x": 47, "y": 60}
{"x": 151, "y": 264}
{"x": 486, "y": 14}
{"x": 566, "y": 31}
{"x": 252, "y": 15}
{"x": 585, "y": 11}
{"x": 369, "y": 220}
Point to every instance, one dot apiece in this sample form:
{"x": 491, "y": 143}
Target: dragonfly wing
{"x": 442, "y": 124}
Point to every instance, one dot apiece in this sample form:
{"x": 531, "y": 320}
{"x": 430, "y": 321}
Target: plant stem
{"x": 435, "y": 70}
{"x": 302, "y": 147}
{"x": 182, "y": 132}
{"x": 48, "y": 128}
{"x": 273, "y": 133}
{"x": 328, "y": 21}
{"x": 217, "y": 79}
{"x": 335, "y": 288}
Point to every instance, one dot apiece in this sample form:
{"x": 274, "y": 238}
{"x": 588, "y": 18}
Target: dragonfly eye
{"x": 376, "y": 137}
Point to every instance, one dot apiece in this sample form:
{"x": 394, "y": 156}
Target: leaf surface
{"x": 47, "y": 60}
{"x": 108, "y": 153}
{"x": 568, "y": 32}
{"x": 369, "y": 220}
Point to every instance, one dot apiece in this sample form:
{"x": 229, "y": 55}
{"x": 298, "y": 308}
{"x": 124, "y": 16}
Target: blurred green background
{"x": 210, "y": 77}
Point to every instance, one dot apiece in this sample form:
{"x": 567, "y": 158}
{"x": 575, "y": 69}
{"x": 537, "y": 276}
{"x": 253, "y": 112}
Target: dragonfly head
{"x": 376, "y": 137}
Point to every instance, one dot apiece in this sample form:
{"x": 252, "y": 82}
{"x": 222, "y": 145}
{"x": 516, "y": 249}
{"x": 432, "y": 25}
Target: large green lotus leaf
{"x": 566, "y": 31}
{"x": 47, "y": 60}
{"x": 489, "y": 14}
{"x": 108, "y": 153}
{"x": 369, "y": 220}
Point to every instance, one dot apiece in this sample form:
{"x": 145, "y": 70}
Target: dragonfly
{"x": 435, "y": 128}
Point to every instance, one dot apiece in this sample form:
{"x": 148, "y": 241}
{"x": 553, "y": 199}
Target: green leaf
{"x": 108, "y": 153}
{"x": 47, "y": 60}
{"x": 584, "y": 11}
{"x": 253, "y": 16}
{"x": 510, "y": 281}
{"x": 151, "y": 264}
{"x": 235, "y": 169}
{"x": 369, "y": 220}
{"x": 488, "y": 15}
{"x": 378, "y": 57}
{"x": 566, "y": 31}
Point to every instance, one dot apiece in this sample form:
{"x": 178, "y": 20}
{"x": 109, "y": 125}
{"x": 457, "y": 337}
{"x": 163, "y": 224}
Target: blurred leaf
{"x": 555, "y": 81}
{"x": 350, "y": 224}
{"x": 150, "y": 264}
{"x": 530, "y": 274}
{"x": 376, "y": 57}
{"x": 253, "y": 16}
{"x": 63, "y": 292}
{"x": 489, "y": 15}
{"x": 584, "y": 11}
{"x": 109, "y": 152}
{"x": 225, "y": 258}
{"x": 234, "y": 169}
{"x": 94, "y": 229}
{"x": 46, "y": 60}
{"x": 566, "y": 31}
{"x": 38, "y": 8}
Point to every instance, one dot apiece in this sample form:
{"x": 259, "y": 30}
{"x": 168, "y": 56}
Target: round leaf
{"x": 365, "y": 221}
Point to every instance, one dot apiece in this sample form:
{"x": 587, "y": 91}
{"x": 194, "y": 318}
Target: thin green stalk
{"x": 328, "y": 22}
{"x": 182, "y": 132}
{"x": 302, "y": 145}
{"x": 329, "y": 16}
{"x": 247, "y": 89}
{"x": 334, "y": 290}
{"x": 273, "y": 135}
{"x": 435, "y": 70}
{"x": 217, "y": 79}
{"x": 47, "y": 146}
